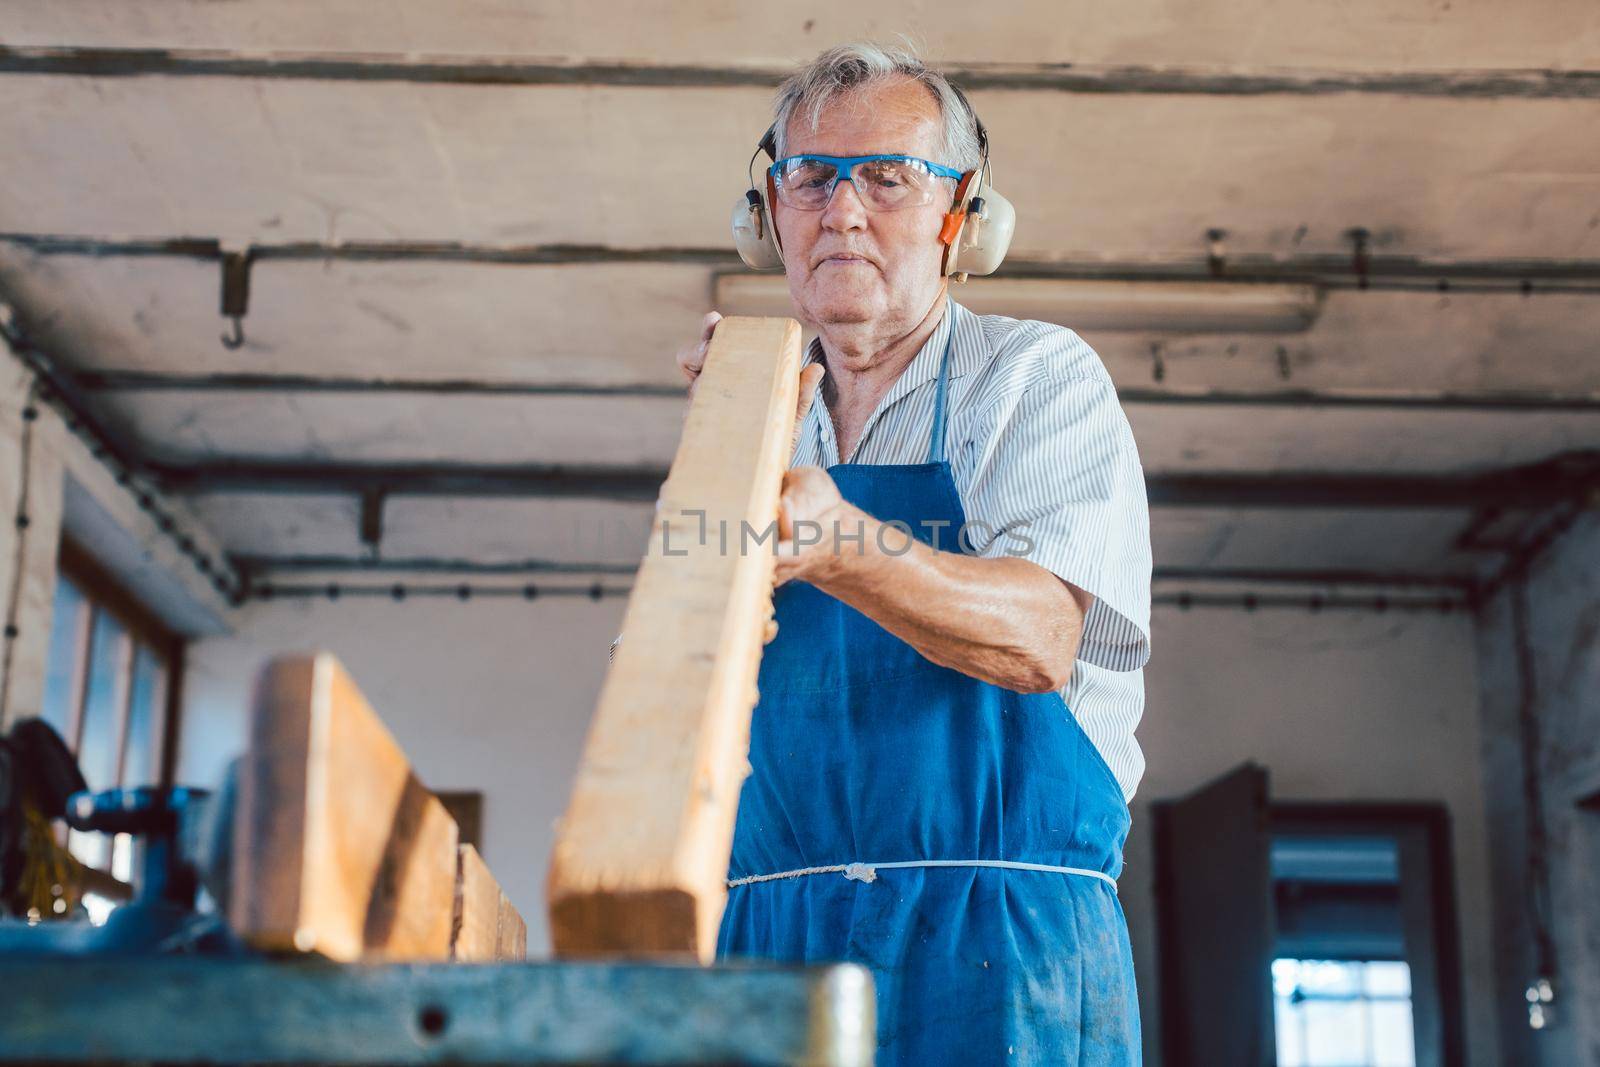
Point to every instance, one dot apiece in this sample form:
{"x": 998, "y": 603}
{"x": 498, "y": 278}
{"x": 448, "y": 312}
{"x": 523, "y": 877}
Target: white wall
{"x": 1338, "y": 705}
{"x": 496, "y": 695}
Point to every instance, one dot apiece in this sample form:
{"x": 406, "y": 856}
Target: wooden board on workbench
{"x": 642, "y": 853}
{"x": 476, "y": 929}
{"x": 511, "y": 938}
{"x": 486, "y": 926}
{"x": 338, "y": 848}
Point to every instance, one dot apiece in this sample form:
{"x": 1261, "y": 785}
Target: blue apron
{"x": 959, "y": 839}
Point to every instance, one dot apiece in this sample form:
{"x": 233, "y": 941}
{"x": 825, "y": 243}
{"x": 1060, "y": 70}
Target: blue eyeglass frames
{"x": 883, "y": 182}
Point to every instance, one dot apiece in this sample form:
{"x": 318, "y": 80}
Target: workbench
{"x": 226, "y": 1012}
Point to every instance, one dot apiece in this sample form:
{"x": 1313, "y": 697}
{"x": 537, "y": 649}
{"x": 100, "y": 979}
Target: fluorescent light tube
{"x": 1090, "y": 304}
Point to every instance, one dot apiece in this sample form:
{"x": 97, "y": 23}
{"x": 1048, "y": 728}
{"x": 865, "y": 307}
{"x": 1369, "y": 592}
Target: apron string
{"x": 936, "y": 438}
{"x": 867, "y": 872}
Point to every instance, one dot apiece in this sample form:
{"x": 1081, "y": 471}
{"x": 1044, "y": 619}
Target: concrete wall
{"x": 496, "y": 695}
{"x": 1563, "y": 612}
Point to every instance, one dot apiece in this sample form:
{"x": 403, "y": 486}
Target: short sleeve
{"x": 1055, "y": 478}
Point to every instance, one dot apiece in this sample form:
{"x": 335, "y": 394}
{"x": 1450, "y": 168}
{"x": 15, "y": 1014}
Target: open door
{"x": 1215, "y": 923}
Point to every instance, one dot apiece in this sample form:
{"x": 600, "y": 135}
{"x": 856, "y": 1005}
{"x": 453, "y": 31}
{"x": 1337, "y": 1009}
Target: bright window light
{"x": 1341, "y": 1013}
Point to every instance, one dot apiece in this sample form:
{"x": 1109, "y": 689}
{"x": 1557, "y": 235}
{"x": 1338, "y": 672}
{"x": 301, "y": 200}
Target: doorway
{"x": 1305, "y": 935}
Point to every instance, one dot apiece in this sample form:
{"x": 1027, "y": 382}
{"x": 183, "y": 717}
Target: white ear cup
{"x": 984, "y": 237}
{"x": 753, "y": 236}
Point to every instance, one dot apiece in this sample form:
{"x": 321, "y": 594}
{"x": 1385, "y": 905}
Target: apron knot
{"x": 860, "y": 872}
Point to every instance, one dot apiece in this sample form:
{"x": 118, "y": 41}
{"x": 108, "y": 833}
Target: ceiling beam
{"x": 136, "y": 381}
{"x": 419, "y": 479}
{"x": 1379, "y": 603}
{"x": 259, "y": 565}
{"x": 398, "y": 592}
{"x": 1561, "y": 480}
{"x": 1487, "y": 402}
{"x": 1523, "y": 488}
{"x": 1036, "y": 77}
{"x": 1415, "y": 583}
{"x": 208, "y": 248}
{"x": 1373, "y": 271}
{"x": 256, "y": 564}
{"x": 1397, "y": 593}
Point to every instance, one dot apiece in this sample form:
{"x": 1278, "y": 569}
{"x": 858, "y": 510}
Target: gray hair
{"x": 852, "y": 67}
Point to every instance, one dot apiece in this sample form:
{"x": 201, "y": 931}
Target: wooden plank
{"x": 642, "y": 853}
{"x": 511, "y": 942}
{"x": 338, "y": 848}
{"x": 475, "y": 928}
{"x": 487, "y": 926}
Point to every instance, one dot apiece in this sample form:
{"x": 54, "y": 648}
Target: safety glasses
{"x": 883, "y": 182}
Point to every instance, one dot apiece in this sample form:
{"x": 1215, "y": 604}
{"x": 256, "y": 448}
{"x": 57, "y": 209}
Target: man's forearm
{"x": 1003, "y": 620}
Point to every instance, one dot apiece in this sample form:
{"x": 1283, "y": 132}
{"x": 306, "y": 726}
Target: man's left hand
{"x": 811, "y": 516}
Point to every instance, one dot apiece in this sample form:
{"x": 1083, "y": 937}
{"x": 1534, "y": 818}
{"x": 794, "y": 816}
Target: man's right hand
{"x": 692, "y": 358}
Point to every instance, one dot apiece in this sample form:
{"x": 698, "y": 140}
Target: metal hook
{"x": 1216, "y": 250}
{"x": 235, "y": 292}
{"x": 1358, "y": 237}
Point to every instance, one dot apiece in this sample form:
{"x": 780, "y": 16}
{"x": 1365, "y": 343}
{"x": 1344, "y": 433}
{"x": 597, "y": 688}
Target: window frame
{"x": 103, "y": 592}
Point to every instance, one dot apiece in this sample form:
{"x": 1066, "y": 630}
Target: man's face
{"x": 846, "y": 264}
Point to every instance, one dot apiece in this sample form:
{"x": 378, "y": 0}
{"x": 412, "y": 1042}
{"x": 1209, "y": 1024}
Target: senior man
{"x": 943, "y": 748}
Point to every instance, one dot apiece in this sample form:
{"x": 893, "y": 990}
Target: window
{"x": 110, "y": 691}
{"x": 1342, "y": 1013}
{"x": 1363, "y": 967}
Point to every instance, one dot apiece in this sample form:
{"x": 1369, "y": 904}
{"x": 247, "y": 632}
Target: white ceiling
{"x": 1357, "y": 35}
{"x": 442, "y": 360}
{"x": 639, "y": 167}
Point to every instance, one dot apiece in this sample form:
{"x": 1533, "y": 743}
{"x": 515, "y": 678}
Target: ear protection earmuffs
{"x": 754, "y": 235}
{"x": 976, "y": 231}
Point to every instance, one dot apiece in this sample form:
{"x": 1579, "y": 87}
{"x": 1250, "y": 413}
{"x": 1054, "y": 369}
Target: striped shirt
{"x": 1037, "y": 441}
